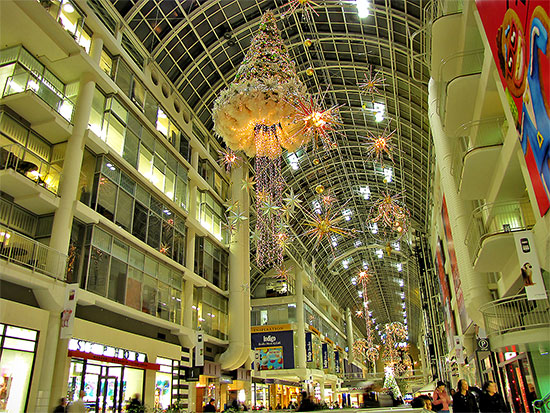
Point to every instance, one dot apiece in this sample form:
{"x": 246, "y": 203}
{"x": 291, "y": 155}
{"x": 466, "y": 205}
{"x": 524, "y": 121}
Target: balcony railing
{"x": 457, "y": 65}
{"x": 30, "y": 166}
{"x": 497, "y": 218}
{"x": 22, "y": 82}
{"x": 24, "y": 251}
{"x": 515, "y": 313}
{"x": 474, "y": 135}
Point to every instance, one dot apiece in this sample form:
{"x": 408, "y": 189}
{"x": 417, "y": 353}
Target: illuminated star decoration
{"x": 378, "y": 145}
{"x": 325, "y": 224}
{"x": 318, "y": 123}
{"x": 389, "y": 211}
{"x": 247, "y": 184}
{"x": 229, "y": 159}
{"x": 283, "y": 273}
{"x": 245, "y": 287}
{"x": 291, "y": 201}
{"x": 372, "y": 82}
{"x": 307, "y": 7}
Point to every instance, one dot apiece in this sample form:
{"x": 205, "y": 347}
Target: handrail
{"x": 497, "y": 218}
{"x": 26, "y": 80}
{"x": 15, "y": 157}
{"x": 24, "y": 251}
{"x": 539, "y": 404}
{"x": 515, "y": 313}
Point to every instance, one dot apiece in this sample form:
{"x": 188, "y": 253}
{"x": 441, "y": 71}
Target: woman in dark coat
{"x": 463, "y": 400}
{"x": 490, "y": 401}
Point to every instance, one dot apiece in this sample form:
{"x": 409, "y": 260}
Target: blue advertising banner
{"x": 276, "y": 349}
{"x": 337, "y": 361}
{"x": 309, "y": 347}
{"x": 325, "y": 355}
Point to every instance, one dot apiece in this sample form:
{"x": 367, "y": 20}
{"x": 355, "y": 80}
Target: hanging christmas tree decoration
{"x": 372, "y": 82}
{"x": 255, "y": 114}
{"x": 378, "y": 145}
{"x": 324, "y": 224}
{"x": 390, "y": 212}
{"x": 360, "y": 346}
{"x": 306, "y": 6}
{"x": 318, "y": 123}
{"x": 229, "y": 159}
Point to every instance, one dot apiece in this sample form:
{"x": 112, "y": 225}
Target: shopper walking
{"x": 463, "y": 400}
{"x": 490, "y": 401}
{"x": 441, "y": 400}
{"x": 62, "y": 407}
{"x": 210, "y": 406}
{"x": 78, "y": 406}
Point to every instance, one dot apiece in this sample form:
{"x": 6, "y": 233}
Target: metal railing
{"x": 457, "y": 65}
{"x": 497, "y": 218}
{"x": 213, "y": 222}
{"x": 22, "y": 82}
{"x": 474, "y": 135}
{"x": 515, "y": 313}
{"x": 24, "y": 162}
{"x": 24, "y": 251}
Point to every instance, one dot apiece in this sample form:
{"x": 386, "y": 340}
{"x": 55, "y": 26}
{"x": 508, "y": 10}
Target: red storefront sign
{"x": 131, "y": 363}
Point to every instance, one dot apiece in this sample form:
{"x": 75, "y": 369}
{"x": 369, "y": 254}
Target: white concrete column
{"x": 68, "y": 187}
{"x": 187, "y": 304}
{"x": 238, "y": 351}
{"x": 349, "y": 334}
{"x": 473, "y": 284}
{"x": 190, "y": 248}
{"x": 322, "y": 388}
{"x": 300, "y": 347}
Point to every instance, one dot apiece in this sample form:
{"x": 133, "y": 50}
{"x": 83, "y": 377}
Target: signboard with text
{"x": 275, "y": 348}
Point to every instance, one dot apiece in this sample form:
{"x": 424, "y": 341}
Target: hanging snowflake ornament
{"x": 283, "y": 273}
{"x": 229, "y": 159}
{"x": 325, "y": 223}
{"x": 306, "y": 6}
{"x": 360, "y": 346}
{"x": 391, "y": 213}
{"x": 318, "y": 123}
{"x": 378, "y": 145}
{"x": 372, "y": 82}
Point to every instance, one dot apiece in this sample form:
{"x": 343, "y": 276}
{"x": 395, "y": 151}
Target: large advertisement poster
{"x": 464, "y": 318}
{"x": 324, "y": 350}
{"x": 275, "y": 346}
{"x": 517, "y": 31}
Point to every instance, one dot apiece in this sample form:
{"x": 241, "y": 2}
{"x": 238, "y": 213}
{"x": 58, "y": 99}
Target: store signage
{"x": 276, "y": 349}
{"x": 315, "y": 330}
{"x": 324, "y": 350}
{"x": 125, "y": 362}
{"x": 337, "y": 361}
{"x": 199, "y": 350}
{"x": 272, "y": 328}
{"x": 69, "y": 310}
{"x": 97, "y": 349}
{"x": 518, "y": 34}
{"x": 328, "y": 340}
{"x": 529, "y": 265}
{"x": 309, "y": 347}
{"x": 483, "y": 344}
{"x": 257, "y": 360}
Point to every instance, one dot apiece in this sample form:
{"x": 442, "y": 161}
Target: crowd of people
{"x": 466, "y": 399}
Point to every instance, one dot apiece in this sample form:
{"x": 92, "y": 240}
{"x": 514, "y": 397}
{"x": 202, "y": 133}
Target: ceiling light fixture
{"x": 68, "y": 8}
{"x": 362, "y": 8}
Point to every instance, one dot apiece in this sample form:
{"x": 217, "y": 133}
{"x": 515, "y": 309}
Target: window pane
{"x": 138, "y": 94}
{"x": 98, "y": 270}
{"x": 115, "y": 134}
{"x": 102, "y": 239}
{"x": 107, "y": 198}
{"x": 151, "y": 108}
{"x": 163, "y": 301}
{"x": 117, "y": 281}
{"x": 137, "y": 259}
{"x": 149, "y": 297}
{"x": 133, "y": 288}
{"x": 96, "y": 114}
{"x": 153, "y": 234}
{"x": 124, "y": 210}
{"x": 169, "y": 183}
{"x": 106, "y": 63}
{"x": 145, "y": 162}
{"x": 131, "y": 148}
{"x": 139, "y": 227}
{"x": 123, "y": 76}
{"x": 120, "y": 250}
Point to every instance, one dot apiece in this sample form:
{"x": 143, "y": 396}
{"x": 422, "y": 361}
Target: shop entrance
{"x": 106, "y": 401}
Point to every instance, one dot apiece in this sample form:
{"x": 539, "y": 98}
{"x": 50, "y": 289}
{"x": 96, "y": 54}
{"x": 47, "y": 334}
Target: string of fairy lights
{"x": 267, "y": 110}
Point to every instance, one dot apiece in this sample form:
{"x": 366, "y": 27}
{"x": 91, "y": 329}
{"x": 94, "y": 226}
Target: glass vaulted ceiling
{"x": 200, "y": 44}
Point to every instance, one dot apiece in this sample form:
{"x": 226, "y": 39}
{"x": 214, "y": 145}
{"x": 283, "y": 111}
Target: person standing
{"x": 490, "y": 401}
{"x": 210, "y": 406}
{"x": 463, "y": 400}
{"x": 441, "y": 398}
{"x": 62, "y": 407}
{"x": 78, "y": 406}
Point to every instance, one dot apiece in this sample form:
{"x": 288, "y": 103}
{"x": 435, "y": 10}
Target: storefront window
{"x": 17, "y": 351}
{"x": 164, "y": 388}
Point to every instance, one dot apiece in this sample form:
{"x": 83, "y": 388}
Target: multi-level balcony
{"x": 31, "y": 181}
{"x": 476, "y": 151}
{"x": 21, "y": 250}
{"x": 515, "y": 321}
{"x": 490, "y": 237}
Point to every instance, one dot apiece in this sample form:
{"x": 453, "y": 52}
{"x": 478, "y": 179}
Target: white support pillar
{"x": 474, "y": 284}
{"x": 349, "y": 333}
{"x": 300, "y": 347}
{"x": 238, "y": 351}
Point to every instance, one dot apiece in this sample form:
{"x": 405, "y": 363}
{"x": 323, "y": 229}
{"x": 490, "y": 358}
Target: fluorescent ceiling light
{"x": 362, "y": 8}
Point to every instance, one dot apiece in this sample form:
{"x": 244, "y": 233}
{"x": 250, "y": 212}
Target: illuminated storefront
{"x": 17, "y": 354}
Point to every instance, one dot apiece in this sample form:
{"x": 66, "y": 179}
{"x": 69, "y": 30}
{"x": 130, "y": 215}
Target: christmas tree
{"x": 390, "y": 383}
